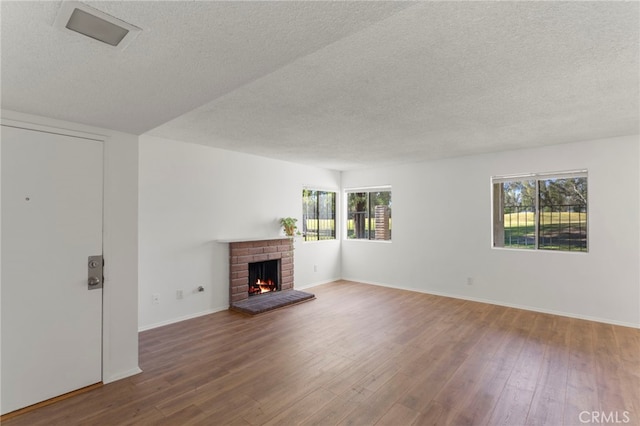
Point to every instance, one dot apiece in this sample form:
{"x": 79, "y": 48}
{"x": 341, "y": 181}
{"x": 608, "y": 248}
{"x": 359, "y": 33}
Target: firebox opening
{"x": 264, "y": 277}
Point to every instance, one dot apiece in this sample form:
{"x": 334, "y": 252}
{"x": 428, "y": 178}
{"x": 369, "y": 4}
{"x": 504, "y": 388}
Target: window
{"x": 541, "y": 211}
{"x": 318, "y": 215}
{"x": 369, "y": 214}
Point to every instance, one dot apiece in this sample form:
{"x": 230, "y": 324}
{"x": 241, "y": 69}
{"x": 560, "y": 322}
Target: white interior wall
{"x": 120, "y": 242}
{"x": 120, "y": 248}
{"x": 190, "y": 197}
{"x": 442, "y": 229}
{"x": 442, "y": 233}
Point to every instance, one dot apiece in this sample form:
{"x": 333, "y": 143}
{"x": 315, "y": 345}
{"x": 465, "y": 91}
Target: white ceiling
{"x": 340, "y": 85}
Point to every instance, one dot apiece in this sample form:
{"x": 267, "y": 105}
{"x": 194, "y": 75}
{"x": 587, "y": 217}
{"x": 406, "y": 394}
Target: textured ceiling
{"x": 340, "y": 85}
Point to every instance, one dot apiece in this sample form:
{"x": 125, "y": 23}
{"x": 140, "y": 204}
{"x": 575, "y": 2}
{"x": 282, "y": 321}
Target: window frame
{"x": 497, "y": 204}
{"x": 336, "y": 209}
{"x": 368, "y": 190}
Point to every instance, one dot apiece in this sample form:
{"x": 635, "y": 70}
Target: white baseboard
{"x": 122, "y": 375}
{"x": 214, "y": 310}
{"x": 182, "y": 318}
{"x": 500, "y": 303}
{"x": 305, "y": 286}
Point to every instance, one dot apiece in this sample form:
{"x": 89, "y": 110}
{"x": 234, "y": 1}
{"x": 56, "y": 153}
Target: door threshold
{"x": 50, "y": 401}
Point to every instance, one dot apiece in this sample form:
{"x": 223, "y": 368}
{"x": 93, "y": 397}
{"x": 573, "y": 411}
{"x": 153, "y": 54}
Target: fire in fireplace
{"x": 264, "y": 277}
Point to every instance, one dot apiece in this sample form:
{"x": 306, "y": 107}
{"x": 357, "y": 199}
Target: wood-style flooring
{"x": 367, "y": 355}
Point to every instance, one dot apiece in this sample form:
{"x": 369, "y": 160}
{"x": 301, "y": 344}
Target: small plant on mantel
{"x": 289, "y": 225}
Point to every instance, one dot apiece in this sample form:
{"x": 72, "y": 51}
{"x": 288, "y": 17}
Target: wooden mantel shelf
{"x": 242, "y": 240}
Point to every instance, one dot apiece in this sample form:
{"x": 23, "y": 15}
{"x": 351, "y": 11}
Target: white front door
{"x": 51, "y": 223}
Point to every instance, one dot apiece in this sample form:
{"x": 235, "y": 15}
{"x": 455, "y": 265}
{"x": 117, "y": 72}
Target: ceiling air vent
{"x": 85, "y": 20}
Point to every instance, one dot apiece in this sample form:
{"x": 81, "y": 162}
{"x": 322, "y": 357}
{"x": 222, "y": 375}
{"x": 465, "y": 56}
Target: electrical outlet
{"x": 315, "y": 268}
{"x": 469, "y": 280}
{"x": 155, "y": 298}
{"x": 179, "y": 294}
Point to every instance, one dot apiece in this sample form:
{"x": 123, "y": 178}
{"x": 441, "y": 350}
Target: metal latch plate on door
{"x": 95, "y": 272}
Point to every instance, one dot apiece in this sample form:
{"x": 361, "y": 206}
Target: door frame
{"x": 120, "y": 237}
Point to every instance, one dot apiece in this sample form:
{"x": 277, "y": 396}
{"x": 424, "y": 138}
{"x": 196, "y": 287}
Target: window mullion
{"x": 333, "y": 216}
{"x": 317, "y": 215}
{"x": 537, "y": 216}
{"x": 368, "y": 222}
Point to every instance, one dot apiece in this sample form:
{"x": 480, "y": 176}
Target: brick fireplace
{"x": 243, "y": 253}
